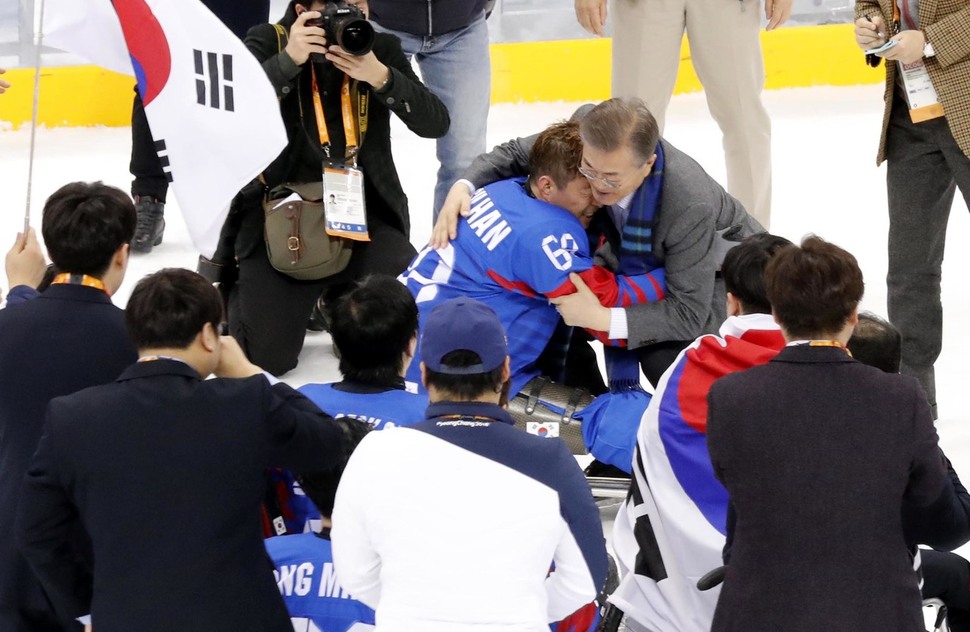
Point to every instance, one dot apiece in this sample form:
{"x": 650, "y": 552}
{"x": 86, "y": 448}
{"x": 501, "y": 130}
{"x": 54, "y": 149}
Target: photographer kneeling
{"x": 336, "y": 106}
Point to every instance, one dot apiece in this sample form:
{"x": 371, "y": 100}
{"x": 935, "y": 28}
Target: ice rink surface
{"x": 825, "y": 182}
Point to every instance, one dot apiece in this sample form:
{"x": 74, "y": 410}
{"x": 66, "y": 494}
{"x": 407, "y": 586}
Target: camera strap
{"x": 354, "y": 126}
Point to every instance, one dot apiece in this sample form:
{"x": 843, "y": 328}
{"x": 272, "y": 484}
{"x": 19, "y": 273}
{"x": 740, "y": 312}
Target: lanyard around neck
{"x": 820, "y": 343}
{"x": 66, "y": 278}
{"x": 354, "y": 128}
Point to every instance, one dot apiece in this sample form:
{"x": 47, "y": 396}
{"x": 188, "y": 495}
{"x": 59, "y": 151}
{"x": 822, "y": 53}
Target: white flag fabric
{"x": 213, "y": 113}
{"x": 67, "y": 26}
{"x": 671, "y": 530}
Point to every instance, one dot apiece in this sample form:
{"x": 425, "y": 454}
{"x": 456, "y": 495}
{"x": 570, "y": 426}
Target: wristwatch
{"x": 928, "y": 49}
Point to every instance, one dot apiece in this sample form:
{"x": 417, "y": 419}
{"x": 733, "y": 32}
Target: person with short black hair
{"x": 516, "y": 503}
{"x": 169, "y": 311}
{"x": 675, "y": 495}
{"x": 819, "y": 453}
{"x": 304, "y": 562}
{"x": 65, "y": 339}
{"x": 876, "y": 342}
{"x": 85, "y": 226}
{"x": 198, "y": 446}
{"x": 375, "y": 330}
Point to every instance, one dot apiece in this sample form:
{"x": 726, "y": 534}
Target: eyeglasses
{"x": 589, "y": 175}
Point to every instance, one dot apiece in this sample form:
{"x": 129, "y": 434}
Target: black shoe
{"x": 604, "y": 470}
{"x": 151, "y": 224}
{"x": 319, "y": 319}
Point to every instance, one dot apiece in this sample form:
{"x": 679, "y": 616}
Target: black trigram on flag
{"x": 213, "y": 85}
{"x": 162, "y": 152}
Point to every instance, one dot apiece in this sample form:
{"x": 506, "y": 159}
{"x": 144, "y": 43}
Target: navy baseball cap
{"x": 463, "y": 324}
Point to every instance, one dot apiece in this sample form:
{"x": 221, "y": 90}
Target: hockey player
{"x": 520, "y": 242}
{"x": 671, "y": 529}
{"x": 304, "y": 563}
{"x": 375, "y": 330}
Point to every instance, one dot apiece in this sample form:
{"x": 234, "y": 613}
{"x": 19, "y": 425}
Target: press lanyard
{"x": 354, "y": 130}
{"x": 66, "y": 278}
{"x": 820, "y": 343}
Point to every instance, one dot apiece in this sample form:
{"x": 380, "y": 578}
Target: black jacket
{"x": 404, "y": 94}
{"x": 166, "y": 470}
{"x": 819, "y": 454}
{"x": 69, "y": 338}
{"x": 425, "y": 17}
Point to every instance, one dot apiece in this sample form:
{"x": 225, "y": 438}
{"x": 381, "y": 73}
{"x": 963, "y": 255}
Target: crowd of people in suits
{"x": 140, "y": 490}
{"x": 121, "y": 407}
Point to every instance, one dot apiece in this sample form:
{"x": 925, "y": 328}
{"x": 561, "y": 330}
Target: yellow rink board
{"x": 572, "y": 70}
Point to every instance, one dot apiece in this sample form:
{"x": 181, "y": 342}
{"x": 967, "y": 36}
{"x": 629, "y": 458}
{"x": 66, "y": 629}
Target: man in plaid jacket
{"x": 926, "y": 141}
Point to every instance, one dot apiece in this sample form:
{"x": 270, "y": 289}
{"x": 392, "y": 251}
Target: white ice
{"x": 825, "y": 182}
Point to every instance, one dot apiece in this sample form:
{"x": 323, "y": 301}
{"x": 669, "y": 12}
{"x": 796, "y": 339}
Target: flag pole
{"x": 39, "y": 44}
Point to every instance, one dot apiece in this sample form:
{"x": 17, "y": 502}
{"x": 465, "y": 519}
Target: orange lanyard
{"x": 66, "y": 278}
{"x": 821, "y": 343}
{"x": 352, "y": 127}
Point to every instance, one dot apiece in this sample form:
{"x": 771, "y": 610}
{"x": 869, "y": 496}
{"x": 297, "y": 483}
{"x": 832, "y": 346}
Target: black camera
{"x": 345, "y": 25}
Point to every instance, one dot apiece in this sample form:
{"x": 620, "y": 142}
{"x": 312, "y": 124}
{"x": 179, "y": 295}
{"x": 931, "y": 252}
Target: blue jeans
{"x": 456, "y": 67}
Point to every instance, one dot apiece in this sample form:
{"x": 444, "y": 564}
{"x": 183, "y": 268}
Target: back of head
{"x": 877, "y": 343}
{"x": 463, "y": 348}
{"x": 813, "y": 288}
{"x": 557, "y": 152}
{"x": 84, "y": 224}
{"x": 618, "y": 122}
{"x": 372, "y": 327}
{"x": 321, "y": 487}
{"x": 743, "y": 271}
{"x": 169, "y": 308}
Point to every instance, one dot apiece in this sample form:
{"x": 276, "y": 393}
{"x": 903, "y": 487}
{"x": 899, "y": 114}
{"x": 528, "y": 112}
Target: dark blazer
{"x": 166, "y": 471}
{"x": 819, "y": 452}
{"x": 301, "y": 160}
{"x": 69, "y": 338}
{"x": 695, "y": 212}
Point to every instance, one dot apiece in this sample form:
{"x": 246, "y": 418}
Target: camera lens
{"x": 356, "y": 37}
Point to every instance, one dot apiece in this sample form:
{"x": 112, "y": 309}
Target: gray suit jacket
{"x": 695, "y": 220}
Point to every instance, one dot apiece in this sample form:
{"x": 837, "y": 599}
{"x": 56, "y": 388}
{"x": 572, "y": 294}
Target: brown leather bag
{"x": 297, "y": 243}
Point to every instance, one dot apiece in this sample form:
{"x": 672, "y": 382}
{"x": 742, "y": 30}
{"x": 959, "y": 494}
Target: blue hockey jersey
{"x": 306, "y": 579}
{"x": 393, "y": 407}
{"x": 384, "y": 409}
{"x": 513, "y": 252}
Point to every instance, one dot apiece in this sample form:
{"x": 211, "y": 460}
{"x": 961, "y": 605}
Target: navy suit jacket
{"x": 68, "y": 338}
{"x": 166, "y": 471}
{"x": 819, "y": 453}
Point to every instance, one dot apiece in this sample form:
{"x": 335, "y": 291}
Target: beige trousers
{"x": 726, "y": 53}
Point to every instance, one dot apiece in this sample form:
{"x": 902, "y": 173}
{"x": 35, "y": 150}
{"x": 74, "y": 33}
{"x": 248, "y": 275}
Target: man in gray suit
{"x": 659, "y": 209}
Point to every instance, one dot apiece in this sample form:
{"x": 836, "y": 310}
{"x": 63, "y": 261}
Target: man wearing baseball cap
{"x": 453, "y": 523}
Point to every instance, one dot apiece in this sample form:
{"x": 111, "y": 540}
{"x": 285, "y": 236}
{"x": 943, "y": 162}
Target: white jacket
{"x": 452, "y": 524}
